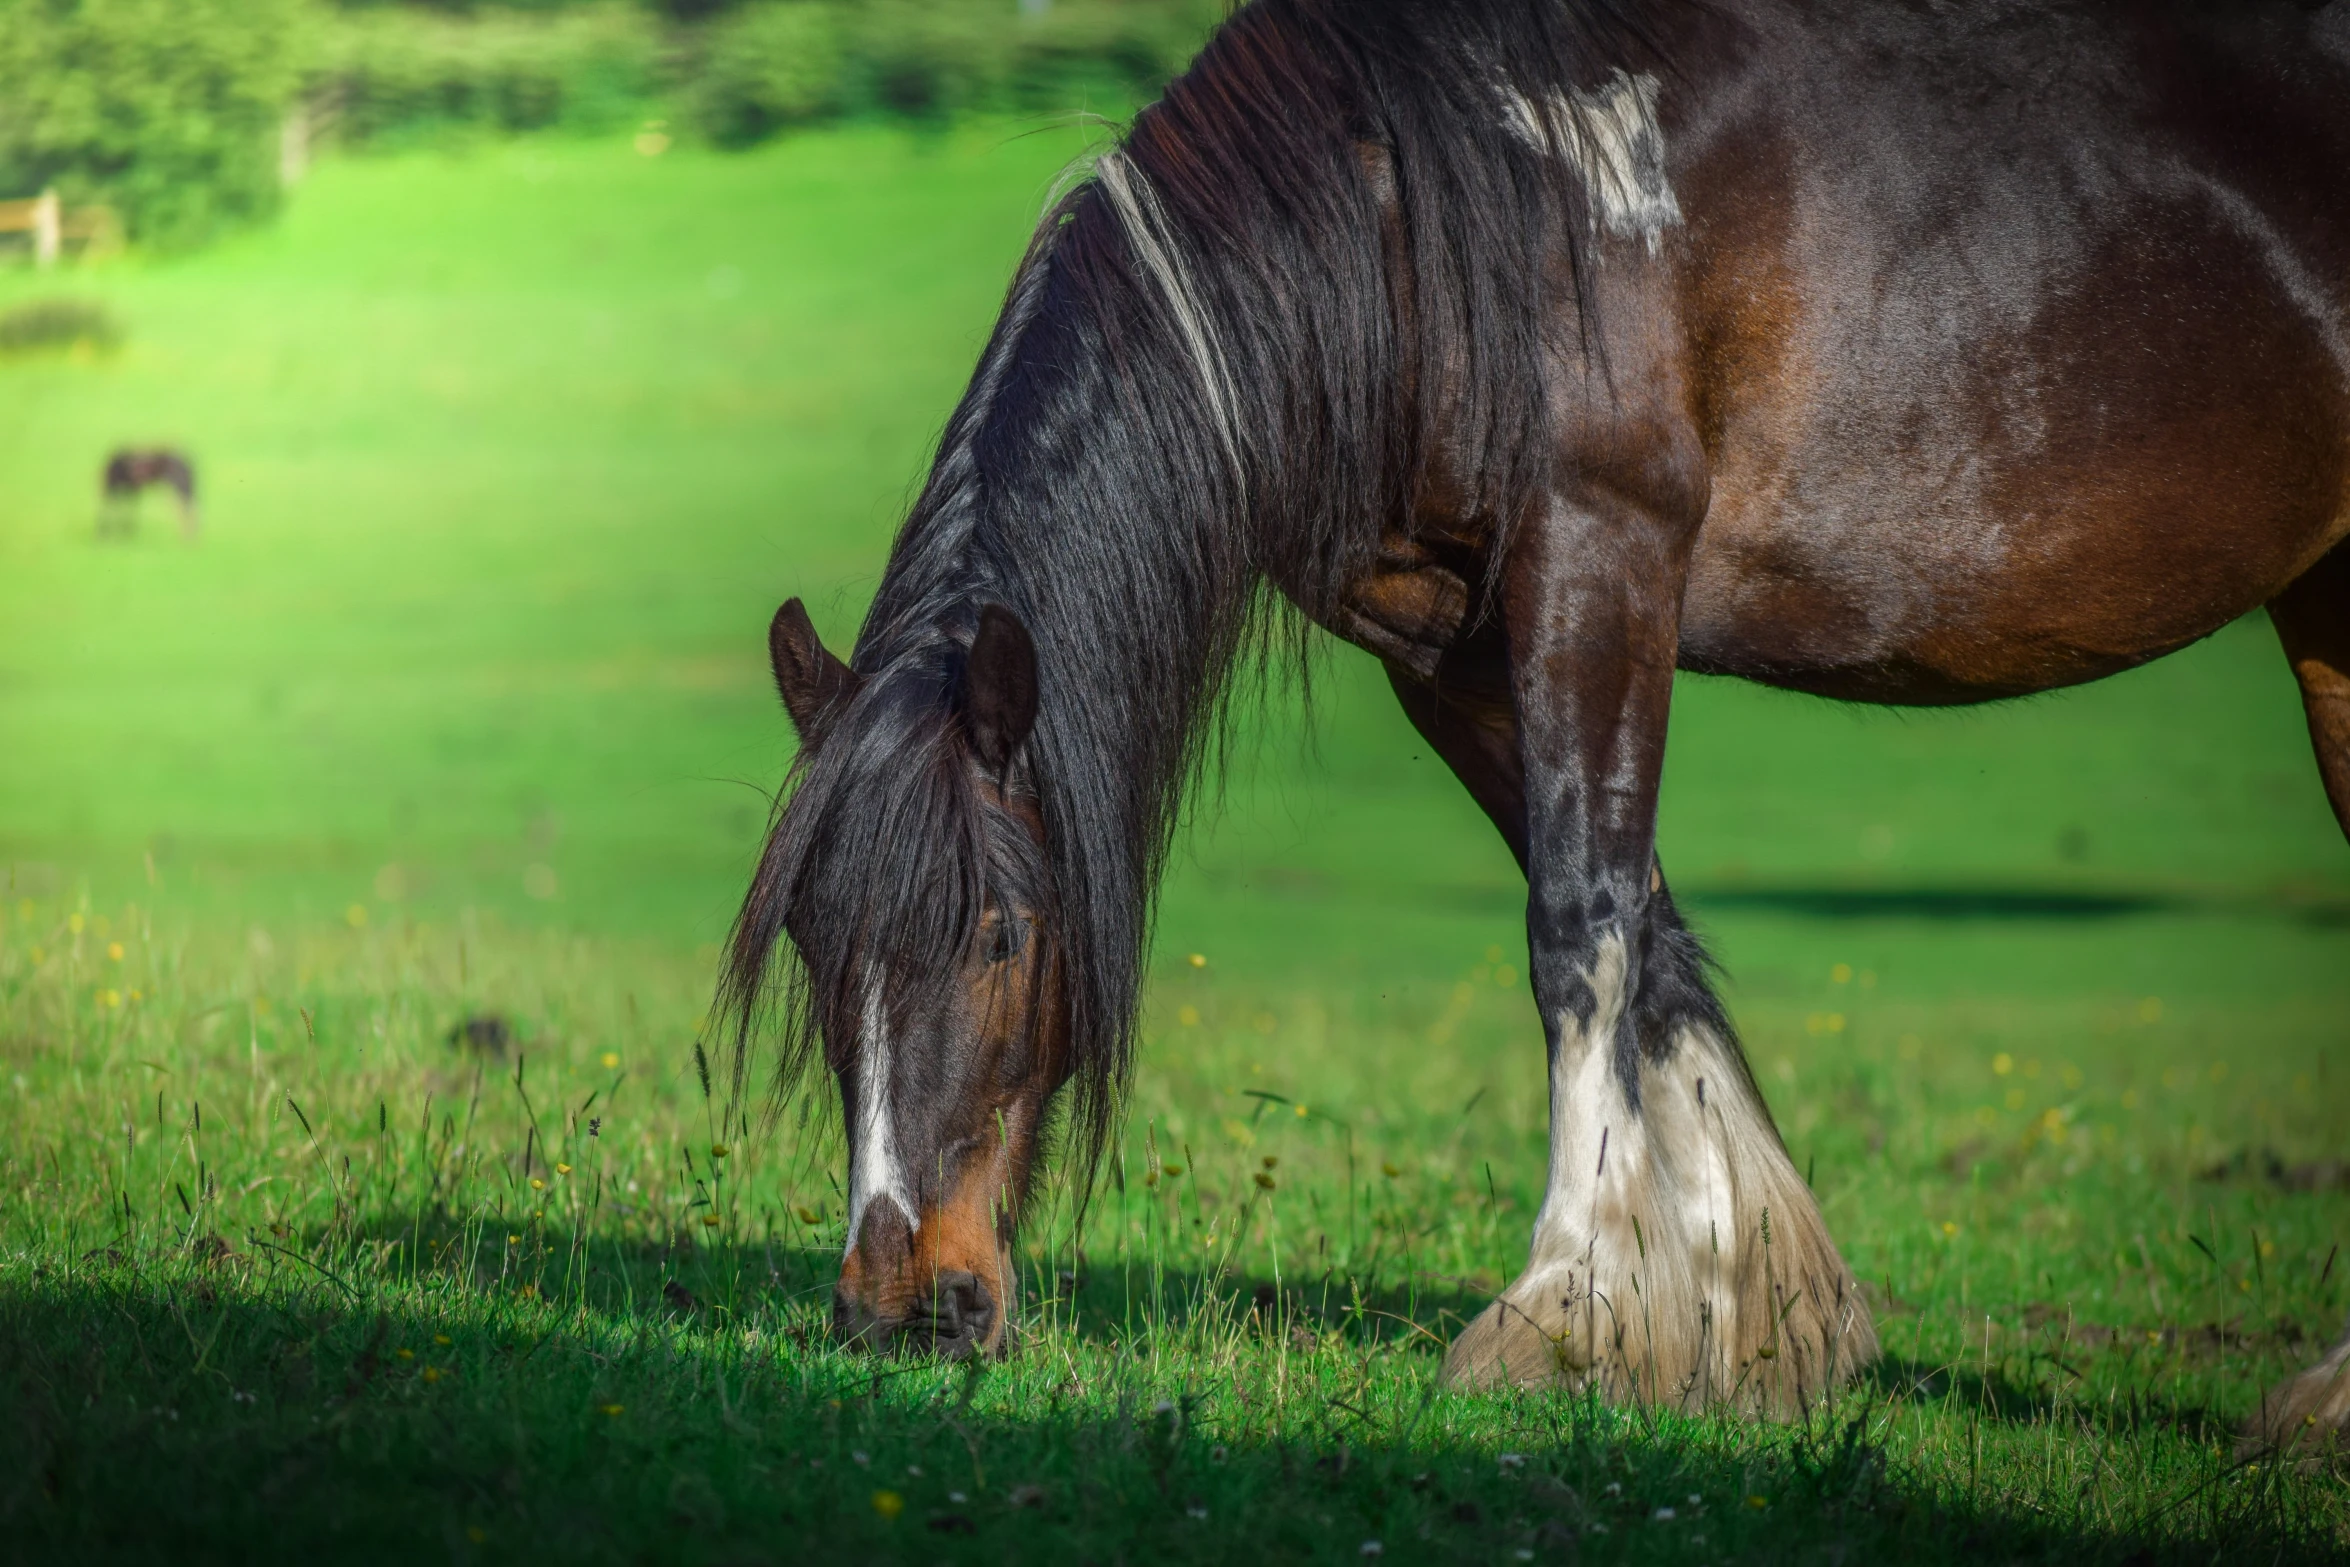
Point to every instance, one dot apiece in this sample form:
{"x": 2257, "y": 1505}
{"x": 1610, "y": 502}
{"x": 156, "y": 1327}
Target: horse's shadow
{"x": 1994, "y": 1394}
{"x": 1125, "y": 1303}
{"x": 1982, "y": 903}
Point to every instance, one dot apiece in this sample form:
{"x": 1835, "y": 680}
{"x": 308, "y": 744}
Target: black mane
{"x": 1129, "y": 496}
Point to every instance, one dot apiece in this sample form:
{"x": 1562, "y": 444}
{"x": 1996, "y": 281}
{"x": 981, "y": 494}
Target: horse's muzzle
{"x": 956, "y": 1318}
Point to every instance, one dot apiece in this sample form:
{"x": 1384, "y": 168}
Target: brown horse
{"x": 131, "y": 470}
{"x": 1897, "y": 351}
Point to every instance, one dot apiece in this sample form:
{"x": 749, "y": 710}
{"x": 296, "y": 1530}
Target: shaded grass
{"x": 61, "y": 323}
{"x": 593, "y": 1438}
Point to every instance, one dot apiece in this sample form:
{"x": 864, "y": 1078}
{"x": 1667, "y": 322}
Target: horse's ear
{"x": 999, "y": 687}
{"x": 807, "y": 675}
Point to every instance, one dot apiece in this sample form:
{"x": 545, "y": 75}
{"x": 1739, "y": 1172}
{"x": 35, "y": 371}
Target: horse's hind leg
{"x": 2310, "y": 1410}
{"x": 2312, "y": 618}
{"x": 1678, "y": 1257}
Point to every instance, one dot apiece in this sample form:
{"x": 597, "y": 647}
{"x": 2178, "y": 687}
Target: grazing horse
{"x": 131, "y": 470}
{"x": 1892, "y": 350}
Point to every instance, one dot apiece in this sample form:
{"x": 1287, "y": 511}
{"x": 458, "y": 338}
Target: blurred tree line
{"x": 188, "y": 116}
{"x": 170, "y": 111}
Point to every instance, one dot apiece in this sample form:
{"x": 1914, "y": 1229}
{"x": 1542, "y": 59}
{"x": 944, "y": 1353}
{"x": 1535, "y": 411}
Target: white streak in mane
{"x": 873, "y": 1160}
{"x": 1073, "y": 174}
{"x": 1612, "y": 138}
{"x": 1145, "y": 222}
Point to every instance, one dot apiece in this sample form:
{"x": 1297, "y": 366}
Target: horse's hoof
{"x": 1504, "y": 1347}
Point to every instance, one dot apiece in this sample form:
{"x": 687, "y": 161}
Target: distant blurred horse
{"x": 129, "y": 471}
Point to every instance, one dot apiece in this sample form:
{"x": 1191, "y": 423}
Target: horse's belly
{"x": 1902, "y": 599}
{"x": 1948, "y": 496}
{"x": 1989, "y": 543}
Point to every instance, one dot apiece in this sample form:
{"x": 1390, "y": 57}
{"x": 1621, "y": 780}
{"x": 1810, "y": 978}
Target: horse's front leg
{"x": 1678, "y": 1258}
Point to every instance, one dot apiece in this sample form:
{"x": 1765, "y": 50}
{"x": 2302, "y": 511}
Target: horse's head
{"x": 906, "y": 871}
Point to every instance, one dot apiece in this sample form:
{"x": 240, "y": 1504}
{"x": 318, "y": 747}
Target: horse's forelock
{"x": 881, "y": 858}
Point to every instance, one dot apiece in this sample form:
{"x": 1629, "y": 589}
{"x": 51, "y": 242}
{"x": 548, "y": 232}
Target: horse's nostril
{"x": 969, "y": 1300}
{"x": 959, "y": 1318}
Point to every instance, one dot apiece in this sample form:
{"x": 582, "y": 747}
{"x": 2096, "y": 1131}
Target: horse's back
{"x": 2018, "y": 334}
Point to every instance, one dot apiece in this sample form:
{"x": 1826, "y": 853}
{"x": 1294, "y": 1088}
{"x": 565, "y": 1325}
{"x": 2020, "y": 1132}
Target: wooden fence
{"x": 52, "y": 227}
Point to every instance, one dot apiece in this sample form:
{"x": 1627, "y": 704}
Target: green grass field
{"x": 459, "y": 707}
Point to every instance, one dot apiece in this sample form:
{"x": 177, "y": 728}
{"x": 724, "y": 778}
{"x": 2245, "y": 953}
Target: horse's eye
{"x": 1005, "y": 939}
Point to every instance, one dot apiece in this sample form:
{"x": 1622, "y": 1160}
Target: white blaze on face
{"x": 874, "y": 1171}
{"x": 1612, "y": 137}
